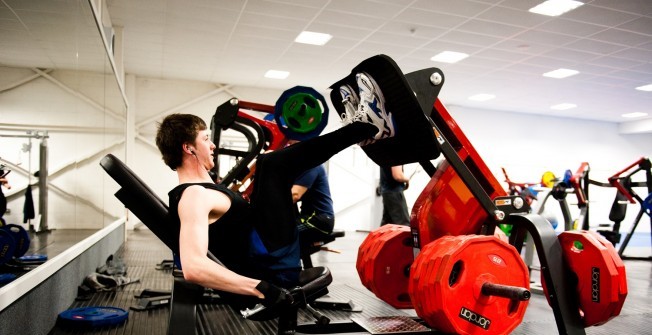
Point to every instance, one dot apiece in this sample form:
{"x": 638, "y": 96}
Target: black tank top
{"x": 229, "y": 236}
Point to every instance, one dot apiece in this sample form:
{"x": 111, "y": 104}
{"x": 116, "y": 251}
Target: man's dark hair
{"x": 173, "y": 132}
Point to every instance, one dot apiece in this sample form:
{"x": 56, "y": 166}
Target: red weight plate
{"x": 383, "y": 263}
{"x": 598, "y": 280}
{"x": 622, "y": 275}
{"x": 622, "y": 282}
{"x": 428, "y": 273}
{"x": 446, "y": 207}
{"x": 446, "y": 281}
{"x": 368, "y": 252}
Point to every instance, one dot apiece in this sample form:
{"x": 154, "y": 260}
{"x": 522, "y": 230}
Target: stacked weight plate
{"x": 383, "y": 263}
{"x": 447, "y": 279}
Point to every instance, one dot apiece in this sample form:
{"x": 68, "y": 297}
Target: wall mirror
{"x": 61, "y": 110}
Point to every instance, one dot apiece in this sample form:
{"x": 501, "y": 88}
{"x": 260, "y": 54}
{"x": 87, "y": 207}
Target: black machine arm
{"x": 226, "y": 117}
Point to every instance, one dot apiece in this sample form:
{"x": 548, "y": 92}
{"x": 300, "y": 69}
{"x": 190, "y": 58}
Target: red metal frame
{"x": 274, "y": 136}
{"x": 278, "y": 139}
{"x": 447, "y": 206}
{"x": 615, "y": 180}
{"x": 576, "y": 183}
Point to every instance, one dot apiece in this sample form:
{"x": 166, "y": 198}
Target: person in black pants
{"x": 392, "y": 184}
{"x": 256, "y": 240}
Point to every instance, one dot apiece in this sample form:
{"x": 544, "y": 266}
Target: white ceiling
{"x": 237, "y": 41}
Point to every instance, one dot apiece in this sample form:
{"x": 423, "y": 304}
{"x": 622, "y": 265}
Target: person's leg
{"x": 302, "y": 156}
{"x": 271, "y": 198}
{"x": 395, "y": 206}
{"x": 405, "y": 213}
{"x": 386, "y": 218}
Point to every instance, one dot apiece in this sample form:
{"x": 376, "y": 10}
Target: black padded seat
{"x": 314, "y": 281}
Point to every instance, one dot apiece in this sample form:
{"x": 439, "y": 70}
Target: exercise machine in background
{"x": 578, "y": 184}
{"x": 626, "y": 195}
{"x": 538, "y": 195}
{"x": 558, "y": 189}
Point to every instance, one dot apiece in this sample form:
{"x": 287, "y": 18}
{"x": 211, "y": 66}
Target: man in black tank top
{"x": 256, "y": 240}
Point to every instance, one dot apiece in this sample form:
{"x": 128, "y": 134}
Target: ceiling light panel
{"x": 633, "y": 115}
{"x": 309, "y": 37}
{"x": 276, "y": 74}
{"x": 647, "y": 88}
{"x": 561, "y": 73}
{"x": 449, "y": 57}
{"x": 555, "y": 7}
{"x": 562, "y": 107}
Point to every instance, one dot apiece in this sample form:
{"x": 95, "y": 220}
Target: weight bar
{"x": 506, "y": 291}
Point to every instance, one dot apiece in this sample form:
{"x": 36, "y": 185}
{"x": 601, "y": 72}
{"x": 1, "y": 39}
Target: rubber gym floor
{"x": 143, "y": 251}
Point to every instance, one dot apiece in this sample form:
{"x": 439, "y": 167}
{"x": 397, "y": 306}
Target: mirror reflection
{"x": 61, "y": 110}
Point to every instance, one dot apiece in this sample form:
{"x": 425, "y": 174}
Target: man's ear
{"x": 189, "y": 149}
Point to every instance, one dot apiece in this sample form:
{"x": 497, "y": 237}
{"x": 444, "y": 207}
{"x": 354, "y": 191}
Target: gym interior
{"x": 540, "y": 128}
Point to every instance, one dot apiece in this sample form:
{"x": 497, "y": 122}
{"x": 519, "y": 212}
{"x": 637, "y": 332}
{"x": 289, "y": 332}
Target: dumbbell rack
{"x": 452, "y": 143}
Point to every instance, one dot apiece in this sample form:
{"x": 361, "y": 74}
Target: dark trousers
{"x": 395, "y": 209}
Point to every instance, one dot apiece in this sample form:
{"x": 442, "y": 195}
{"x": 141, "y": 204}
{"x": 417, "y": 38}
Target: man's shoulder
{"x": 310, "y": 175}
{"x": 197, "y": 188}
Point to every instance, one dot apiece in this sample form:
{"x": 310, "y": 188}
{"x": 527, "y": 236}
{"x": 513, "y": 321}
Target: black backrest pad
{"x": 618, "y": 208}
{"x": 142, "y": 201}
{"x": 414, "y": 140}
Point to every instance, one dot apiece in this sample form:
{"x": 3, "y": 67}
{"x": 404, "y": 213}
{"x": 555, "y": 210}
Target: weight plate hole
{"x": 513, "y": 307}
{"x": 455, "y": 273}
{"x": 404, "y": 297}
{"x": 294, "y": 122}
{"x": 310, "y": 102}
